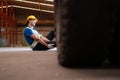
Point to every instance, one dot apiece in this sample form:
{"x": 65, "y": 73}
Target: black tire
{"x": 84, "y": 31}
{"x": 114, "y": 55}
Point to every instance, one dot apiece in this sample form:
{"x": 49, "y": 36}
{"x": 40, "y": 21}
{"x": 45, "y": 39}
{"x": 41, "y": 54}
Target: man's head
{"x": 31, "y": 20}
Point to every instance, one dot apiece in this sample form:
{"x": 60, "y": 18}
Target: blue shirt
{"x": 27, "y": 33}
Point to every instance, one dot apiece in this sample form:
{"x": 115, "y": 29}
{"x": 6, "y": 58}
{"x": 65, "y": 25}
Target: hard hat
{"x": 31, "y": 17}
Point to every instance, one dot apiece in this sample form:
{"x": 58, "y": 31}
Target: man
{"x": 34, "y": 38}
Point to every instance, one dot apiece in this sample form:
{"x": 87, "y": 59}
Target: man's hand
{"x": 50, "y": 45}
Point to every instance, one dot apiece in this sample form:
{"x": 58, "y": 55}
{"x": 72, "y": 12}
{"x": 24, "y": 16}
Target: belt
{"x": 33, "y": 44}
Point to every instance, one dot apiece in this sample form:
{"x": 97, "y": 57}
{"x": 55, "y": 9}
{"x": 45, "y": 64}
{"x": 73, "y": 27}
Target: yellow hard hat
{"x": 31, "y": 17}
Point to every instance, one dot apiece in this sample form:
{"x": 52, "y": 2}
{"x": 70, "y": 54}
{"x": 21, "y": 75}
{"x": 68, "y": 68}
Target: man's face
{"x": 32, "y": 22}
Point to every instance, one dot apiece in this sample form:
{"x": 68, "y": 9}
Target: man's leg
{"x": 40, "y": 47}
{"x": 51, "y": 35}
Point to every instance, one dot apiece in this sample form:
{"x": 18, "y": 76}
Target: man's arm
{"x": 44, "y": 38}
{"x": 39, "y": 40}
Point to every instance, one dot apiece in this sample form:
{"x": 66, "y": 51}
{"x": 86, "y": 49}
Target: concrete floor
{"x": 25, "y": 64}
{"x": 8, "y": 49}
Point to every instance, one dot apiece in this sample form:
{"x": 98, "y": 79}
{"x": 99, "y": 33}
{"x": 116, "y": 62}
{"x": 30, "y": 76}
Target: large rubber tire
{"x": 114, "y": 55}
{"x": 84, "y": 31}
